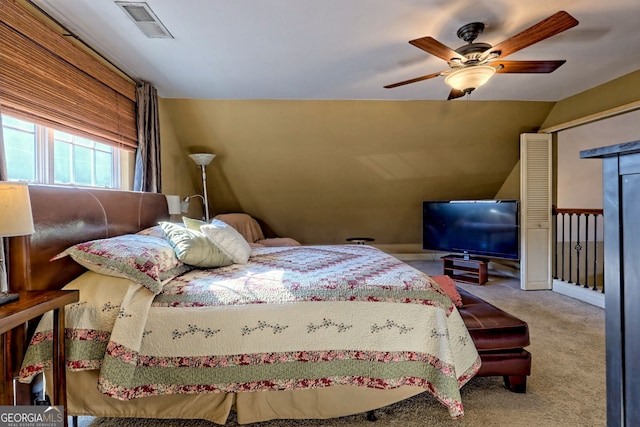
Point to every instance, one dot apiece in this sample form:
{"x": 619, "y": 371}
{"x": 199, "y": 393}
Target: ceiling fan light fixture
{"x": 470, "y": 78}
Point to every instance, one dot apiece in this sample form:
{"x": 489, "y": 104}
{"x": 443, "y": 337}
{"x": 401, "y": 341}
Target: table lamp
{"x": 15, "y": 219}
{"x": 173, "y": 203}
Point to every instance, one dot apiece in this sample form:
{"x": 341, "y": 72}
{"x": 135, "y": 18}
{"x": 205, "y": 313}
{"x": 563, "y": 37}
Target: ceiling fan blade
{"x": 527, "y": 66}
{"x": 555, "y": 24}
{"x": 434, "y": 47}
{"x": 456, "y": 93}
{"x": 417, "y": 79}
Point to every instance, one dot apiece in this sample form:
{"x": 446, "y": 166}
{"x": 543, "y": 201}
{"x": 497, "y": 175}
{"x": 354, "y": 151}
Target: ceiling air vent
{"x": 145, "y": 19}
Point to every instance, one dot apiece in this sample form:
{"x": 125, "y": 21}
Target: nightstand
{"x": 29, "y": 306}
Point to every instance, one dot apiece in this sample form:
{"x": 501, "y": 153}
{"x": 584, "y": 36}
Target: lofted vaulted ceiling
{"x": 349, "y": 49}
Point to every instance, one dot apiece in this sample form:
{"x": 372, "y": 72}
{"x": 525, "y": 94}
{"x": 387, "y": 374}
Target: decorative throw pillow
{"x": 447, "y": 284}
{"x": 229, "y": 240}
{"x": 193, "y": 247}
{"x": 193, "y": 224}
{"x": 279, "y": 241}
{"x": 154, "y": 231}
{"x": 147, "y": 260}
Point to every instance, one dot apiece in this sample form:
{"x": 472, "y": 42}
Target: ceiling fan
{"x": 473, "y": 64}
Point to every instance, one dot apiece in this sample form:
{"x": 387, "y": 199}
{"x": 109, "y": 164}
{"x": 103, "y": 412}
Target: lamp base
{"x": 7, "y": 297}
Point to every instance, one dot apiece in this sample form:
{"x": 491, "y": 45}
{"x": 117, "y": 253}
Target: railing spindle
{"x": 565, "y": 244}
{"x": 586, "y": 250}
{"x": 555, "y": 246}
{"x": 570, "y": 252}
{"x": 595, "y": 257}
{"x": 578, "y": 248}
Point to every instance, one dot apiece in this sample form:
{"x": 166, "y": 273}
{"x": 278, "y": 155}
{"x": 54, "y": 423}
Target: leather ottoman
{"x": 500, "y": 339}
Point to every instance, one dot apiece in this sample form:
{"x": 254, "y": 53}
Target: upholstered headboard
{"x": 64, "y": 216}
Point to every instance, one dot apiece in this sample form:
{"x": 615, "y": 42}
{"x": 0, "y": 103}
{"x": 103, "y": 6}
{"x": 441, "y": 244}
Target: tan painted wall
{"x": 322, "y": 171}
{"x": 511, "y": 187}
{"x": 178, "y": 171}
{"x": 618, "y": 92}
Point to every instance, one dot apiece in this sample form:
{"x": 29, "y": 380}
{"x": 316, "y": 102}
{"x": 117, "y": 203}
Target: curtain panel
{"x": 47, "y": 78}
{"x": 3, "y": 158}
{"x": 147, "y": 171}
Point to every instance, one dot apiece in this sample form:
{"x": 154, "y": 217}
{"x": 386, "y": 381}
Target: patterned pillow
{"x": 154, "y": 231}
{"x": 193, "y": 224}
{"x": 147, "y": 260}
{"x": 229, "y": 240}
{"x": 193, "y": 247}
{"x": 447, "y": 284}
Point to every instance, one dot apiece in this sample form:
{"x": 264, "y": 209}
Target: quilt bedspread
{"x": 292, "y": 318}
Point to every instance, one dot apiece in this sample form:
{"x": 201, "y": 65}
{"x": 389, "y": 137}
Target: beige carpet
{"x": 566, "y": 387}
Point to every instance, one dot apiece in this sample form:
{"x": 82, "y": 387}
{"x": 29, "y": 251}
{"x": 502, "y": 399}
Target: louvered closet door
{"x": 535, "y": 211}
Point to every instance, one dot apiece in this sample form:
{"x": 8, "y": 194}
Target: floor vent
{"x": 142, "y": 15}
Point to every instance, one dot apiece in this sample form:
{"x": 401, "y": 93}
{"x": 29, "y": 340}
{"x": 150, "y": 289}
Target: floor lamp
{"x": 202, "y": 160}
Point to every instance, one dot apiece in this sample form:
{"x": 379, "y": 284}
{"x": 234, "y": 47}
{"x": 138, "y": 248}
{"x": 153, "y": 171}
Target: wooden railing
{"x": 578, "y": 247}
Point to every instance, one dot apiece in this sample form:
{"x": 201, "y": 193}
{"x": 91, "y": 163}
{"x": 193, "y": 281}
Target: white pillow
{"x": 229, "y": 240}
{"x": 193, "y": 247}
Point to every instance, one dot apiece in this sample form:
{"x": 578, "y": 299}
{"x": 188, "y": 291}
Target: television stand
{"x": 466, "y": 269}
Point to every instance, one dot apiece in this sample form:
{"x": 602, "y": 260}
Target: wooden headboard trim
{"x": 65, "y": 216}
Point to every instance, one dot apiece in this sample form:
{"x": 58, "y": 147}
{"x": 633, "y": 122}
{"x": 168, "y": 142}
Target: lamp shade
{"x": 15, "y": 210}
{"x": 184, "y": 206}
{"x": 202, "y": 159}
{"x": 173, "y": 202}
{"x": 470, "y": 78}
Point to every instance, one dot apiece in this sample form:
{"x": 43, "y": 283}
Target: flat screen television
{"x": 487, "y": 228}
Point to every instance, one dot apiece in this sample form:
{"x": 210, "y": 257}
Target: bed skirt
{"x": 84, "y": 399}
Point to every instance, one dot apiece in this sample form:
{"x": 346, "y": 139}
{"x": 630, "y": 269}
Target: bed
{"x": 295, "y": 332}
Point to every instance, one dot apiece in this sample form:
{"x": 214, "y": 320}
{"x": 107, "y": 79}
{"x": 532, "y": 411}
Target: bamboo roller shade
{"x": 48, "y": 79}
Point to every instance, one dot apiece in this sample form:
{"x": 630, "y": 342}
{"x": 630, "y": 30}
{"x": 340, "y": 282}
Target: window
{"x": 37, "y": 153}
